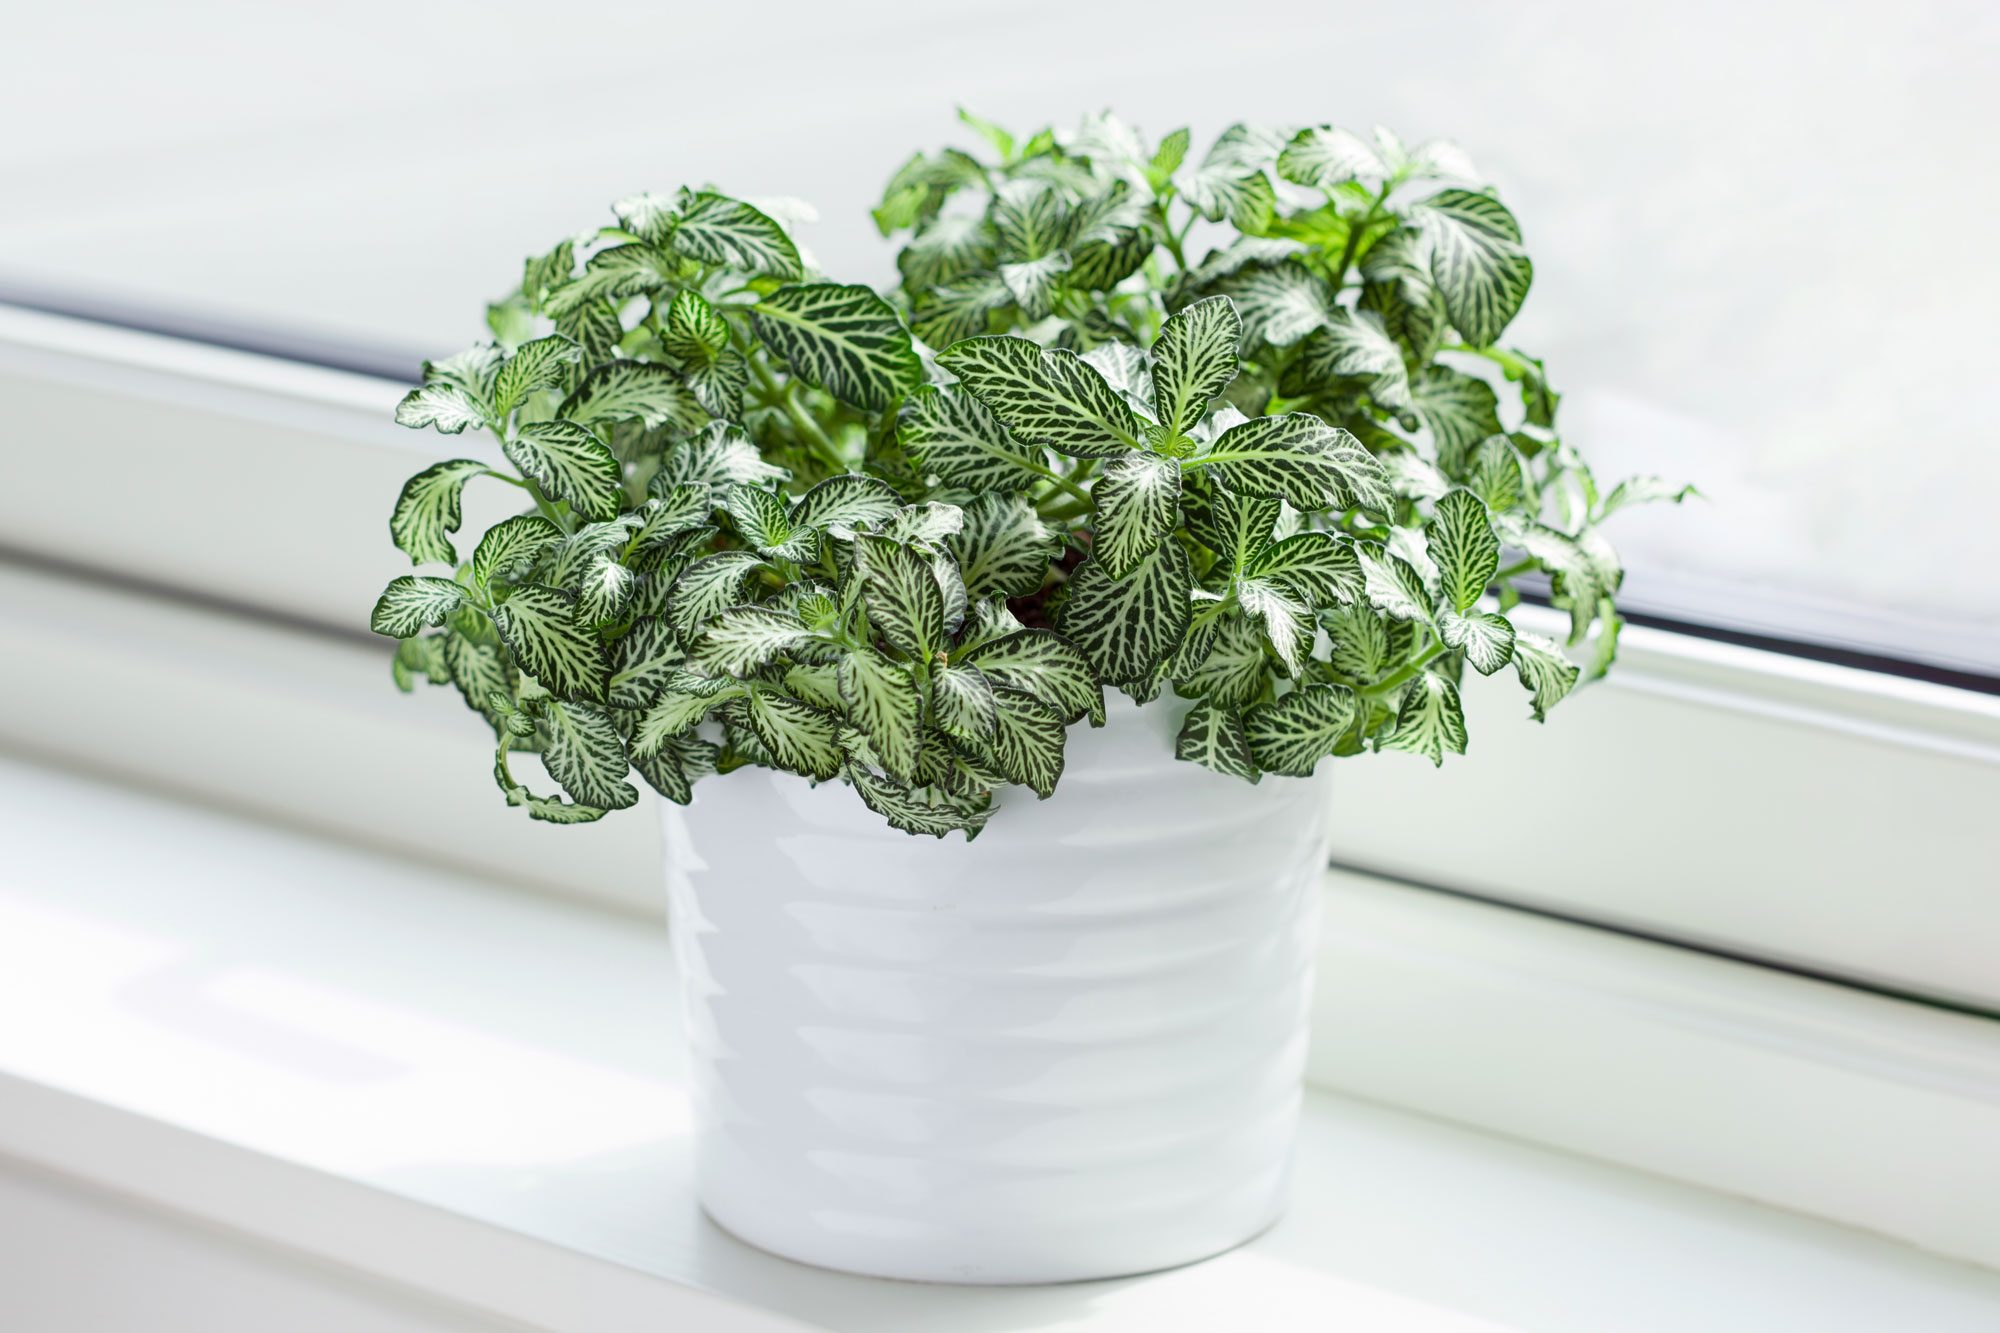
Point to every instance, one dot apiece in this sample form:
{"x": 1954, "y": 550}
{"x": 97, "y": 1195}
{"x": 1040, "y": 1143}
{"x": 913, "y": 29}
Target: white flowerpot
{"x": 1069, "y": 1049}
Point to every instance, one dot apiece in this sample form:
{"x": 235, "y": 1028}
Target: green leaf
{"x": 1462, "y": 542}
{"x": 1137, "y": 506}
{"x": 905, "y": 604}
{"x": 1127, "y": 627}
{"x": 1212, "y": 735}
{"x": 1544, "y": 672}
{"x": 413, "y": 602}
{"x": 1027, "y": 743}
{"x": 1234, "y": 670}
{"x": 1324, "y": 157}
{"x": 1351, "y": 343}
{"x": 944, "y": 249}
{"x": 1360, "y": 643}
{"x": 926, "y": 524}
{"x": 962, "y": 698}
{"x": 759, "y": 518}
{"x": 534, "y": 367}
{"x": 1233, "y": 525}
{"x": 1045, "y": 665}
{"x": 1298, "y": 458}
{"x": 921, "y": 810}
{"x": 569, "y": 463}
{"x": 446, "y": 407}
{"x": 685, "y": 700}
{"x": 604, "y": 591}
{"x": 707, "y": 587}
{"x": 648, "y": 216}
{"x": 669, "y": 514}
{"x": 429, "y": 508}
{"x": 1028, "y": 219}
{"x": 1486, "y": 639}
{"x": 1642, "y": 490}
{"x": 510, "y": 548}
{"x": 674, "y": 768}
{"x": 643, "y": 659}
{"x": 1001, "y": 141}
{"x": 1279, "y": 303}
{"x": 1317, "y": 566}
{"x": 1050, "y": 398}
{"x": 721, "y": 456}
{"x": 799, "y": 737}
{"x": 842, "y": 503}
{"x": 540, "y": 628}
{"x": 1393, "y": 585}
{"x": 1194, "y": 361}
{"x": 479, "y": 672}
{"x": 1288, "y": 622}
{"x": 1495, "y": 474}
{"x": 586, "y": 756}
{"x": 1005, "y": 548}
{"x": 955, "y": 437}
{"x": 958, "y": 310}
{"x": 695, "y": 335}
{"x": 613, "y": 275}
{"x": 1291, "y": 735}
{"x": 844, "y": 339}
{"x": 744, "y": 639}
{"x": 549, "y": 809}
{"x": 1476, "y": 260}
{"x": 1461, "y": 410}
{"x": 881, "y": 698}
{"x": 1397, "y": 287}
{"x": 643, "y": 391}
{"x": 1430, "y": 721}
{"x": 716, "y": 229}
{"x": 1231, "y": 181}
{"x": 1034, "y": 283}
{"x": 541, "y": 274}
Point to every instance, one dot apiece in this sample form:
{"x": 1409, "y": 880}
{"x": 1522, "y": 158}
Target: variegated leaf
{"x": 1430, "y": 721}
{"x": 1544, "y": 671}
{"x": 642, "y": 391}
{"x": 1323, "y": 156}
{"x": 1235, "y": 668}
{"x": 534, "y": 367}
{"x": 1299, "y": 458}
{"x": 716, "y": 229}
{"x": 643, "y": 659}
{"x": 1486, "y": 639}
{"x": 1233, "y": 525}
{"x": 798, "y": 737}
{"x": 685, "y": 699}
{"x": 1137, "y": 506}
{"x": 1476, "y": 260}
{"x": 1279, "y": 303}
{"x": 1351, "y": 343}
{"x": 510, "y": 548}
{"x": 844, "y": 339}
{"x": 760, "y": 520}
{"x": 1317, "y": 566}
{"x": 414, "y": 602}
{"x": 1461, "y": 410}
{"x": 1212, "y": 735}
{"x": 1127, "y": 627}
{"x": 444, "y": 407}
{"x": 905, "y": 604}
{"x": 1360, "y": 643}
{"x": 1462, "y": 543}
{"x": 540, "y": 628}
{"x": 1393, "y": 585}
{"x": 604, "y": 591}
{"x": 720, "y": 457}
{"x": 1027, "y": 743}
{"x": 881, "y": 699}
{"x": 956, "y": 438}
{"x": 586, "y": 755}
{"x": 842, "y": 503}
{"x": 1033, "y": 283}
{"x": 1050, "y": 398}
{"x": 1291, "y": 735}
{"x": 674, "y": 768}
{"x": 1042, "y": 664}
{"x": 959, "y": 309}
{"x": 924, "y": 810}
{"x": 430, "y": 508}
{"x": 1495, "y": 474}
{"x": 946, "y": 248}
{"x": 1005, "y": 548}
{"x": 1287, "y": 621}
{"x": 569, "y": 463}
{"x": 962, "y": 700}
{"x": 742, "y": 639}
{"x": 707, "y": 587}
{"x": 1194, "y": 360}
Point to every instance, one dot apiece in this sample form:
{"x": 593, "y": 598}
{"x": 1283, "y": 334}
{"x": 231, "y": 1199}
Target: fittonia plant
{"x": 906, "y": 542}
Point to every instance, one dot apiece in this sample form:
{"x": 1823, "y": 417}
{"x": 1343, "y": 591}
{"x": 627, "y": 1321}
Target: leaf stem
{"x": 1390, "y": 682}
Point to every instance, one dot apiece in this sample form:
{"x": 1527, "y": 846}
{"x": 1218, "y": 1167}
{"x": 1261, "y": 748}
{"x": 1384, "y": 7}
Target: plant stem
{"x": 1518, "y": 567}
{"x": 1390, "y": 682}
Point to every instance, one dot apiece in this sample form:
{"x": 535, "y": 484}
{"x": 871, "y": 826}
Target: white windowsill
{"x": 474, "y": 1094}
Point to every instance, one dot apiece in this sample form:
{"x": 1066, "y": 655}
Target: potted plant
{"x": 877, "y": 561}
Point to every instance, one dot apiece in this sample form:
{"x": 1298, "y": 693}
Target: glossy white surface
{"x": 402, "y": 1075}
{"x": 1070, "y": 1049}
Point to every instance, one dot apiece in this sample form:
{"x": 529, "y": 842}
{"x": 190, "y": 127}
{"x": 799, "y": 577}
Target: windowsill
{"x": 476, "y": 1094}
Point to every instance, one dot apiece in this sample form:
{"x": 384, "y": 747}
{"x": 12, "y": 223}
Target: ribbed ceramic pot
{"x": 1072, "y": 1048}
